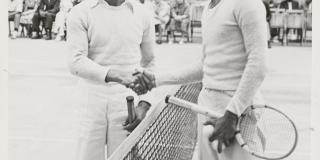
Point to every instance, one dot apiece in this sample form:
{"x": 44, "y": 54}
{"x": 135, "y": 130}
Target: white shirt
{"x": 15, "y": 5}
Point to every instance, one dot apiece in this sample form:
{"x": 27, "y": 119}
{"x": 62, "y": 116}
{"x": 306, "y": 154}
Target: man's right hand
{"x": 125, "y": 78}
{"x": 144, "y": 82}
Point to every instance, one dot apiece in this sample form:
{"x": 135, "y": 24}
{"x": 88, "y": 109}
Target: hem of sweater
{"x": 223, "y": 86}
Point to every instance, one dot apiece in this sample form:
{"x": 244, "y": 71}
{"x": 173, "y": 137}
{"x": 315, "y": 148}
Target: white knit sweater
{"x": 234, "y": 46}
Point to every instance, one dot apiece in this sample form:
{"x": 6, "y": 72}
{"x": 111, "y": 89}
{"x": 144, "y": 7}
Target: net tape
{"x": 172, "y": 134}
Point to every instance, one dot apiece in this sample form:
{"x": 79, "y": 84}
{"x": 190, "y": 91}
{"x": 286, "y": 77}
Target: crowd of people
{"x": 35, "y": 14}
{"x": 169, "y": 17}
{"x": 28, "y": 14}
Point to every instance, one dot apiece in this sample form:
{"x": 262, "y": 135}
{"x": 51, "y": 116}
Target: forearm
{"x": 184, "y": 16}
{"x": 148, "y": 58}
{"x": 13, "y": 13}
{"x": 86, "y": 68}
{"x": 252, "y": 24}
{"x": 193, "y": 73}
{"x": 250, "y": 83}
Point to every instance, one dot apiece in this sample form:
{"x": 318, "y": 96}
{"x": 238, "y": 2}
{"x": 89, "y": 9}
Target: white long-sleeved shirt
{"x": 234, "y": 46}
{"x": 101, "y": 37}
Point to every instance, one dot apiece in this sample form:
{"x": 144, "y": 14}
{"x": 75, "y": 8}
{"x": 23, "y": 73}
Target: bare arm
{"x": 192, "y": 73}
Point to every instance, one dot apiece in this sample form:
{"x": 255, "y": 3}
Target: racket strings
{"x": 268, "y": 133}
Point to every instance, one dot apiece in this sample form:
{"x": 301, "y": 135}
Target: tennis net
{"x": 168, "y": 133}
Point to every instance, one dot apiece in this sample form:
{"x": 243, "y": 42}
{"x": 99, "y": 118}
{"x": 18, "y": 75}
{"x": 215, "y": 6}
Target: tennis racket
{"x": 263, "y": 131}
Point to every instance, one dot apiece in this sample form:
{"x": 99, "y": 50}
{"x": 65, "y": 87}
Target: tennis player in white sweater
{"x": 108, "y": 40}
{"x": 233, "y": 67}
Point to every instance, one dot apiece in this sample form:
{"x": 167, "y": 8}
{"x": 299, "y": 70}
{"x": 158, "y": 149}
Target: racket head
{"x": 267, "y": 133}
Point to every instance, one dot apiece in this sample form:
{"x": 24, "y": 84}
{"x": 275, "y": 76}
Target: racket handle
{"x": 131, "y": 109}
{"x": 192, "y": 106}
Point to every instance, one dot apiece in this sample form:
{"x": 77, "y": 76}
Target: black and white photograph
{"x": 160, "y": 80}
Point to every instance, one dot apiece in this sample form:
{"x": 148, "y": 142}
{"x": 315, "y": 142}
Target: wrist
{"x": 232, "y": 116}
{"x": 112, "y": 76}
{"x": 144, "y": 104}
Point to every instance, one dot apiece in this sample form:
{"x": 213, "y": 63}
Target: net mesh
{"x": 268, "y": 132}
{"x": 172, "y": 135}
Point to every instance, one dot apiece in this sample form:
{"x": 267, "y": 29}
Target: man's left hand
{"x": 224, "y": 129}
{"x": 141, "y": 111}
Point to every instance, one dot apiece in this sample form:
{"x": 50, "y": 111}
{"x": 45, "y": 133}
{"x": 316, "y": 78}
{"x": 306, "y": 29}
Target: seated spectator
{"x": 61, "y": 17}
{"x": 179, "y": 19}
{"x": 14, "y": 14}
{"x": 30, "y": 7}
{"x": 46, "y": 13}
{"x": 162, "y": 17}
{"x": 273, "y": 4}
{"x": 289, "y": 5}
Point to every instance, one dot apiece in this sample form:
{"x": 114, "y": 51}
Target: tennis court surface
{"x": 40, "y": 88}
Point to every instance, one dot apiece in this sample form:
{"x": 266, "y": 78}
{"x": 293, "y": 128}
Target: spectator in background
{"x": 61, "y": 17}
{"x": 268, "y": 18}
{"x": 307, "y": 5}
{"x": 272, "y": 4}
{"x": 46, "y": 12}
{"x": 179, "y": 19}
{"x": 162, "y": 17}
{"x": 289, "y": 5}
{"x": 14, "y": 13}
{"x": 30, "y": 7}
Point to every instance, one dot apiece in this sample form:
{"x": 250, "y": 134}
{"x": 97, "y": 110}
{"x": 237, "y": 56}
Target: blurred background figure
{"x": 268, "y": 18}
{"x": 307, "y": 5}
{"x": 273, "y": 4}
{"x": 162, "y": 17}
{"x": 289, "y": 4}
{"x": 179, "y": 19}
{"x": 60, "y": 22}
{"x": 30, "y": 7}
{"x": 15, "y": 7}
{"x": 46, "y": 13}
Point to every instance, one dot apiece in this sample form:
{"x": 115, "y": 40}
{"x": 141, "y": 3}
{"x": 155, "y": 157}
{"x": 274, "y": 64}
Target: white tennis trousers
{"x": 218, "y": 101}
{"x": 102, "y": 110}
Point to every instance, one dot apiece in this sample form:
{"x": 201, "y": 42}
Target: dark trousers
{"x": 46, "y": 20}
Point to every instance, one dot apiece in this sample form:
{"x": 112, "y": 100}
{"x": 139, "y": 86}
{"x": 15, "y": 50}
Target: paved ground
{"x": 40, "y": 87}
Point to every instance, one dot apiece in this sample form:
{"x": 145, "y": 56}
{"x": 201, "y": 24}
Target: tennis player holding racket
{"x": 233, "y": 67}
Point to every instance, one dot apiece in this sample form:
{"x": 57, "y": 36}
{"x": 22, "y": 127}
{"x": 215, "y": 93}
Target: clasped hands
{"x": 139, "y": 81}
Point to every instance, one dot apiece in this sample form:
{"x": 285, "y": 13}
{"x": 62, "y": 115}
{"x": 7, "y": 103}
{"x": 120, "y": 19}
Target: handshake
{"x": 139, "y": 81}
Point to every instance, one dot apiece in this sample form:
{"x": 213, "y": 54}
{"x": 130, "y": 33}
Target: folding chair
{"x": 196, "y": 13}
{"x": 295, "y": 20}
{"x": 277, "y": 20}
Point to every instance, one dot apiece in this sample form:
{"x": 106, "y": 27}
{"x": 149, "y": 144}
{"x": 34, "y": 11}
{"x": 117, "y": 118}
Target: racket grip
{"x": 131, "y": 109}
